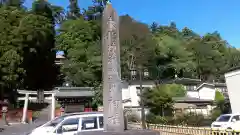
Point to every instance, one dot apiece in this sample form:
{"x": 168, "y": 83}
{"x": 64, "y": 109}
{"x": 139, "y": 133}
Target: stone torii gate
{"x": 26, "y": 99}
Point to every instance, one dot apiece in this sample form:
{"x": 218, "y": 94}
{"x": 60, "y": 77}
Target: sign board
{"x": 100, "y": 109}
{"x": 70, "y": 127}
{"x": 90, "y": 125}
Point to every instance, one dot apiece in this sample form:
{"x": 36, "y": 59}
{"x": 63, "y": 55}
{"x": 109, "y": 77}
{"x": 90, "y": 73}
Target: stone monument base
{"x": 126, "y": 132}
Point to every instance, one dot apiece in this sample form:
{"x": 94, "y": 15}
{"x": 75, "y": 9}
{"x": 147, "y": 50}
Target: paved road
{"x": 20, "y": 129}
{"x": 23, "y": 129}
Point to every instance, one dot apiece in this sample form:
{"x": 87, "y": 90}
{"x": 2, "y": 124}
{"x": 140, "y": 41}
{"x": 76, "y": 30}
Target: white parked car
{"x": 227, "y": 121}
{"x": 71, "y": 124}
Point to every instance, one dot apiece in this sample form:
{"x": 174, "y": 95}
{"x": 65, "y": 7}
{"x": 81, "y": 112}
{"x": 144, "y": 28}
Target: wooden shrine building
{"x": 71, "y": 99}
{"x": 74, "y": 99}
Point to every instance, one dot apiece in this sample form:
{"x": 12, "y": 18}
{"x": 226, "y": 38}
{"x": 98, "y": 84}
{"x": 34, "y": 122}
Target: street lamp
{"x": 142, "y": 73}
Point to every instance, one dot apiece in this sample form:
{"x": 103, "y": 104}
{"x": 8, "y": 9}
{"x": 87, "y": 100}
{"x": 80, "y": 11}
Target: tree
{"x": 82, "y": 50}
{"x": 38, "y": 34}
{"x": 222, "y": 107}
{"x": 209, "y": 56}
{"x": 94, "y": 11}
{"x": 172, "y": 58}
{"x": 221, "y": 103}
{"x": 174, "y": 90}
{"x": 157, "y": 99}
{"x": 12, "y": 3}
{"x": 154, "y": 27}
{"x": 136, "y": 44}
{"x": 10, "y": 49}
{"x": 74, "y": 10}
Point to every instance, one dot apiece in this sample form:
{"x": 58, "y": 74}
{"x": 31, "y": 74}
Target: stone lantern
{"x": 4, "y": 111}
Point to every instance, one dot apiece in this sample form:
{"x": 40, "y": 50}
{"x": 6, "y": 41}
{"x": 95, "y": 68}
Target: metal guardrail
{"x": 185, "y": 130}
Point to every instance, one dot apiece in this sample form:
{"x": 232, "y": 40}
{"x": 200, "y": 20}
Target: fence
{"x": 181, "y": 130}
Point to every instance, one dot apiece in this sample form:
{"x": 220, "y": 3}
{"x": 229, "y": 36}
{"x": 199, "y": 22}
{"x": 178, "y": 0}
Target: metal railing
{"x": 185, "y": 130}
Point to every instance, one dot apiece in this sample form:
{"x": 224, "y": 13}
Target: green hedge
{"x": 189, "y": 119}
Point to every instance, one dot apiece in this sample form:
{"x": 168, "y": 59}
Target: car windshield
{"x": 224, "y": 118}
{"x": 55, "y": 122}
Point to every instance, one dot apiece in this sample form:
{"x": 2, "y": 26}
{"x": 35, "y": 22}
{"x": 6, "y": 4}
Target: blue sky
{"x": 202, "y": 16}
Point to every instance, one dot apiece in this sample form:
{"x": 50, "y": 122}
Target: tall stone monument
{"x": 112, "y": 94}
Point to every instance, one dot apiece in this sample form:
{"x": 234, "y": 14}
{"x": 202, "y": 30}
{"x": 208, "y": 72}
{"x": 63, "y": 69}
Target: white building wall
{"x": 132, "y": 93}
{"x": 193, "y": 94}
{"x": 207, "y": 93}
{"x": 233, "y": 80}
{"x": 125, "y": 96}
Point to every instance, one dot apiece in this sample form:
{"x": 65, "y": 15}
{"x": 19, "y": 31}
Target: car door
{"x": 100, "y": 121}
{"x": 68, "y": 127}
{"x": 236, "y": 123}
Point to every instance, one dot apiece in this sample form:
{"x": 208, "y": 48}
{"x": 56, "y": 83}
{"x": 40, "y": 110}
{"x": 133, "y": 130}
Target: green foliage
{"x": 155, "y": 119}
{"x": 12, "y": 3}
{"x": 171, "y": 56}
{"x": 192, "y": 119}
{"x": 157, "y": 100}
{"x": 137, "y": 46}
{"x": 219, "y": 100}
{"x": 219, "y": 97}
{"x": 222, "y": 106}
{"x": 37, "y": 30}
{"x": 82, "y": 50}
{"x": 98, "y": 95}
{"x": 216, "y": 112}
{"x": 174, "y": 90}
{"x": 74, "y": 10}
{"x": 10, "y": 49}
{"x": 27, "y": 50}
{"x": 188, "y": 119}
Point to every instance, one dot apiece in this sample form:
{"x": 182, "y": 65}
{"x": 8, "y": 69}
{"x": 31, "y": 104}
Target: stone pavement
{"x": 20, "y": 129}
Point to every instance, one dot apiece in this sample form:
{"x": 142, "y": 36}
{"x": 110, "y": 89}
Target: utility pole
{"x": 141, "y": 100}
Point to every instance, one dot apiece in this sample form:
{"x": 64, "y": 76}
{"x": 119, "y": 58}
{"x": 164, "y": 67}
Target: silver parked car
{"x": 72, "y": 124}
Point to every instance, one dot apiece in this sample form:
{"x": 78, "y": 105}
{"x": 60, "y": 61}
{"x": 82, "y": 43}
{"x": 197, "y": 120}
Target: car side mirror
{"x": 59, "y": 130}
{"x": 234, "y": 120}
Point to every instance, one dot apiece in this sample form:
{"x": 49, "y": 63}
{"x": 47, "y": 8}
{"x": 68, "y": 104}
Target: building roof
{"x": 183, "y": 105}
{"x": 165, "y": 81}
{"x": 33, "y": 92}
{"x": 74, "y": 92}
{"x": 233, "y": 69}
{"x": 70, "y": 93}
{"x": 74, "y": 88}
{"x": 190, "y": 100}
{"x": 213, "y": 85}
{"x": 183, "y": 81}
{"x": 137, "y": 82}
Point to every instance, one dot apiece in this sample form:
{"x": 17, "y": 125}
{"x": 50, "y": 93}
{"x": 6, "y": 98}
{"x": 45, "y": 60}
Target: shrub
{"x": 155, "y": 119}
{"x": 133, "y": 117}
{"x": 150, "y": 118}
{"x": 191, "y": 119}
{"x": 216, "y": 112}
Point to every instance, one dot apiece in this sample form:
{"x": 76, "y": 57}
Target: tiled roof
{"x": 190, "y": 99}
{"x": 74, "y": 94}
{"x": 211, "y": 85}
